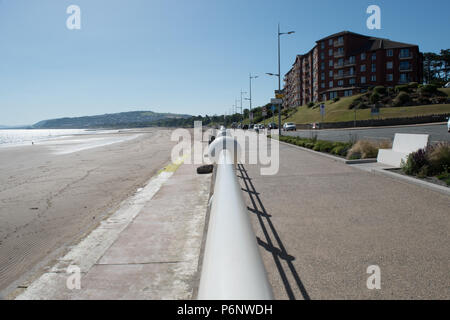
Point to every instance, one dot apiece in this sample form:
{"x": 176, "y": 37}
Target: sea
{"x": 18, "y": 137}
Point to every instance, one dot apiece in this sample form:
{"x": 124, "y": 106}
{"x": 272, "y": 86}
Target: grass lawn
{"x": 339, "y": 111}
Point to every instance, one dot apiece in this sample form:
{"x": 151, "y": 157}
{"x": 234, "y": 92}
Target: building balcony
{"x": 338, "y": 43}
{"x": 338, "y": 54}
{"x": 345, "y": 75}
{"x": 405, "y": 56}
{"x": 408, "y": 69}
{"x": 347, "y": 63}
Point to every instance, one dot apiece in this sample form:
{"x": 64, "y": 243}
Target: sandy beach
{"x": 53, "y": 193}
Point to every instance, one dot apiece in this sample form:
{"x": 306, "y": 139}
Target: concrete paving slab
{"x": 321, "y": 223}
{"x": 152, "y": 251}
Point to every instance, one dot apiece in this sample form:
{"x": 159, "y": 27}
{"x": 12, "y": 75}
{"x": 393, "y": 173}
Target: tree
{"x": 436, "y": 67}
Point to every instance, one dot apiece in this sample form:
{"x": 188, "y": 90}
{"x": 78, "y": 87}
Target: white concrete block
{"x": 403, "y": 145}
{"x": 391, "y": 158}
{"x": 408, "y": 143}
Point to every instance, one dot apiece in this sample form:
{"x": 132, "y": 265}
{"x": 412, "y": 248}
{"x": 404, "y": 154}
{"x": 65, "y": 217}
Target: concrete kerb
{"x": 338, "y": 159}
{"x": 205, "y": 233}
{"x": 407, "y": 179}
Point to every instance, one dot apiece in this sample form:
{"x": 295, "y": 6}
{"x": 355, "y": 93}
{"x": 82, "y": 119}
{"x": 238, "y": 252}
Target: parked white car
{"x": 448, "y": 125}
{"x": 289, "y": 126}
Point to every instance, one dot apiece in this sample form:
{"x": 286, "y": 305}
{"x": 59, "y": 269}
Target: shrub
{"x": 380, "y": 90}
{"x": 413, "y": 85}
{"x": 429, "y": 88}
{"x": 367, "y": 149}
{"x": 415, "y": 162}
{"x": 311, "y": 104}
{"x": 362, "y": 105}
{"x": 439, "y": 158}
{"x": 323, "y": 146}
{"x": 340, "y": 149}
{"x": 374, "y": 98}
{"x": 336, "y": 99}
{"x": 401, "y": 99}
{"x": 402, "y": 88}
{"x": 390, "y": 91}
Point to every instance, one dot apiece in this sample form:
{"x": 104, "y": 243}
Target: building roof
{"x": 341, "y": 34}
{"x": 374, "y": 42}
{"x": 380, "y": 43}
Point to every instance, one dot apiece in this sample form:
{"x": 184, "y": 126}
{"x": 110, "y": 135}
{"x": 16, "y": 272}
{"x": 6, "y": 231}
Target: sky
{"x": 191, "y": 57}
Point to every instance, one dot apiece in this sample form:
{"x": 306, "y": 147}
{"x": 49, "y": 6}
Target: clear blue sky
{"x": 175, "y": 56}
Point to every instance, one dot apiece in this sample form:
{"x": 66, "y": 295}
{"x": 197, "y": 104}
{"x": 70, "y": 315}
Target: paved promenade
{"x": 148, "y": 249}
{"x": 321, "y": 223}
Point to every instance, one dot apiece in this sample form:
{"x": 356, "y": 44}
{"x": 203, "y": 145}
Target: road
{"x": 437, "y": 132}
{"x": 320, "y": 224}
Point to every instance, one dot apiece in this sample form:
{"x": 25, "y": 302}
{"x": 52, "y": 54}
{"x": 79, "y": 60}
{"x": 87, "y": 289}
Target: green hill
{"x": 113, "y": 120}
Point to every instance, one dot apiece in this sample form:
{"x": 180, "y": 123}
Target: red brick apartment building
{"x": 347, "y": 63}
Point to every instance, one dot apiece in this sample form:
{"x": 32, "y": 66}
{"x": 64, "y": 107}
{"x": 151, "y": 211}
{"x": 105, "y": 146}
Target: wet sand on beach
{"x": 49, "y": 200}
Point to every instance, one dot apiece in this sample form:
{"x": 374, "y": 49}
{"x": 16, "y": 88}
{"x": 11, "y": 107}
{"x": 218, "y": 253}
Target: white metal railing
{"x": 232, "y": 266}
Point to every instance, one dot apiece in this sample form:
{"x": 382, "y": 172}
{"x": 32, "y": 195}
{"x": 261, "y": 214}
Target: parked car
{"x": 447, "y": 85}
{"x": 251, "y": 126}
{"x": 448, "y": 125}
{"x": 272, "y": 126}
{"x": 289, "y": 126}
{"x": 245, "y": 127}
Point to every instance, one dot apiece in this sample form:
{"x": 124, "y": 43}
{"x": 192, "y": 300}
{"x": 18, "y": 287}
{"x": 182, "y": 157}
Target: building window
{"x": 403, "y": 78}
{"x": 340, "y": 83}
{"x": 333, "y": 95}
{"x": 352, "y": 59}
{"x": 390, "y": 53}
{"x": 331, "y": 63}
{"x": 322, "y": 85}
{"x": 330, "y": 42}
{"x": 374, "y": 56}
{"x": 348, "y": 93}
{"x": 363, "y": 79}
{"x": 404, "y": 65}
{"x": 352, "y": 81}
{"x": 390, "y": 77}
{"x": 389, "y": 65}
{"x": 322, "y": 45}
{"x": 374, "y": 67}
{"x": 322, "y": 66}
{"x": 322, "y": 76}
{"x": 324, "y": 97}
{"x": 363, "y": 68}
{"x": 331, "y": 73}
{"x": 363, "y": 56}
{"x": 373, "y": 78}
{"x": 404, "y": 53}
{"x": 330, "y": 84}
{"x": 330, "y": 52}
{"x": 322, "y": 55}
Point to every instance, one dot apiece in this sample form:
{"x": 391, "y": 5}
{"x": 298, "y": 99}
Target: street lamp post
{"x": 250, "y": 99}
{"x": 279, "y": 75}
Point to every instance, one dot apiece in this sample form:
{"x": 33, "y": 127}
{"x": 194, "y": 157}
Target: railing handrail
{"x": 232, "y": 266}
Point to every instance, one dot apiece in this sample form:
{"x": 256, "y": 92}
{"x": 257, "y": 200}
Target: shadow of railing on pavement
{"x": 278, "y": 253}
